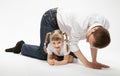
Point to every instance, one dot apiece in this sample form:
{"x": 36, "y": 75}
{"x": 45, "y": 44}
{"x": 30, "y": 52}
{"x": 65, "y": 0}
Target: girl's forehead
{"x": 56, "y": 41}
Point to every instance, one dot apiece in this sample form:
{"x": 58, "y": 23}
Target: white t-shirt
{"x": 63, "y": 51}
{"x": 76, "y": 25}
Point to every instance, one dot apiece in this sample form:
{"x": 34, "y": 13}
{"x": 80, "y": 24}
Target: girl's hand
{"x": 55, "y": 62}
{"x": 51, "y": 62}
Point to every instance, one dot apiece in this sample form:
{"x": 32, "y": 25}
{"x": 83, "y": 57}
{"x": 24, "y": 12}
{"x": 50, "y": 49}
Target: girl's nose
{"x": 56, "y": 45}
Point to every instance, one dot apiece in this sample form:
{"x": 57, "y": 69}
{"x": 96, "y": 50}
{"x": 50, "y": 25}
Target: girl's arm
{"x": 64, "y": 61}
{"x": 50, "y": 59}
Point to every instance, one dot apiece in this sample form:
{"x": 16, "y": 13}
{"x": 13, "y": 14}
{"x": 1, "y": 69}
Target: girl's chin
{"x": 57, "y": 49}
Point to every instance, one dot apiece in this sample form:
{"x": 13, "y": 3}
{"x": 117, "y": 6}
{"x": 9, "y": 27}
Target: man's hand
{"x": 103, "y": 65}
{"x": 97, "y": 65}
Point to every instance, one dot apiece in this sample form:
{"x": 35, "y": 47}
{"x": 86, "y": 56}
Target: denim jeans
{"x": 48, "y": 24}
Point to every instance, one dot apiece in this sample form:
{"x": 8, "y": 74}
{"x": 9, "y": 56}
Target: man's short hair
{"x": 102, "y": 37}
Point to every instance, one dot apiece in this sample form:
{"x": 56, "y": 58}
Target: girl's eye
{"x": 59, "y": 42}
{"x": 53, "y": 43}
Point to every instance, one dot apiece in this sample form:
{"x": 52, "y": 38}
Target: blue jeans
{"x": 48, "y": 24}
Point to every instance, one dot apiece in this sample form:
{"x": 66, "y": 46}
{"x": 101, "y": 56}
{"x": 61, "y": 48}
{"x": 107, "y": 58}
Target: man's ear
{"x": 94, "y": 28}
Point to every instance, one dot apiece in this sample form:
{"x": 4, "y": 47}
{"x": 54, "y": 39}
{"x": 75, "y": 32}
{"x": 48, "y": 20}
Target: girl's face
{"x": 57, "y": 44}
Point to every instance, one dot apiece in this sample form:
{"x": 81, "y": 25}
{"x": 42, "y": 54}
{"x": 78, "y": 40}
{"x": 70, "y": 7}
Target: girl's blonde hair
{"x": 56, "y": 35}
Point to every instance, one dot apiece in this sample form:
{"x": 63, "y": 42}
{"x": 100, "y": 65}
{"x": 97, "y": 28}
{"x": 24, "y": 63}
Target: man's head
{"x": 98, "y": 37}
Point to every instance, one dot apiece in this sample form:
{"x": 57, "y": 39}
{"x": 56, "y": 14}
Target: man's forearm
{"x": 81, "y": 57}
{"x": 90, "y": 64}
{"x": 94, "y": 54}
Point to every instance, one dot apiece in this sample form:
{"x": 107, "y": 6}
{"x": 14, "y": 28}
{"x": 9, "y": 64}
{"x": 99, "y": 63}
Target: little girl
{"x": 56, "y": 53}
{"x": 58, "y": 48}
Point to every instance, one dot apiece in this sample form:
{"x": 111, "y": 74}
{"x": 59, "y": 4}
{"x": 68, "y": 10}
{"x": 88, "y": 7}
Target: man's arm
{"x": 94, "y": 58}
{"x": 81, "y": 57}
{"x": 86, "y": 62}
{"x": 94, "y": 54}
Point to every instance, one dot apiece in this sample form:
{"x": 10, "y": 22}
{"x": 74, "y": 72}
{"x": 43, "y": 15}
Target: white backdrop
{"x": 20, "y": 20}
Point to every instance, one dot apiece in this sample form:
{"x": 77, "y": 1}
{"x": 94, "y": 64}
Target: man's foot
{"x": 9, "y": 49}
{"x": 17, "y": 48}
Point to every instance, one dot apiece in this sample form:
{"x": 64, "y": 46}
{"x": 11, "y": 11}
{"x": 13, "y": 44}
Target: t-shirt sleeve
{"x": 74, "y": 42}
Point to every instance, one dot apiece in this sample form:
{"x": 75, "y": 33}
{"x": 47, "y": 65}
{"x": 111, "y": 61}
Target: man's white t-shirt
{"x": 76, "y": 25}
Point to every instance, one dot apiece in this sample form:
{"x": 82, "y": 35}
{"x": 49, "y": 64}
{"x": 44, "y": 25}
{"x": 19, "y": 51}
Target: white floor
{"x": 20, "y": 19}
